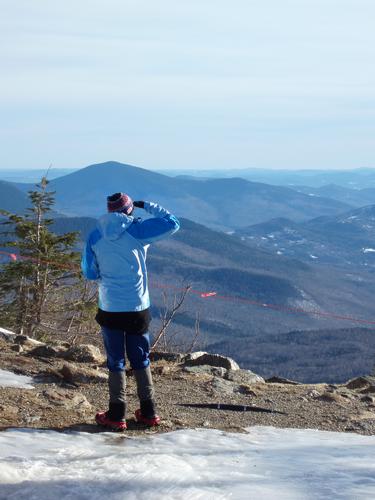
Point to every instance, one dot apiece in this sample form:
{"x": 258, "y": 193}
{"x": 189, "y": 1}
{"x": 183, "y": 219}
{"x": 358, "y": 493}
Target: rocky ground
{"x": 71, "y": 385}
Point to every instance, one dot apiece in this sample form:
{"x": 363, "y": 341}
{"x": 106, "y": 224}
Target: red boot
{"x": 114, "y": 418}
{"x": 149, "y": 421}
{"x": 101, "y": 418}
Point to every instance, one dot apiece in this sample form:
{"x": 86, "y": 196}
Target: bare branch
{"x": 169, "y": 315}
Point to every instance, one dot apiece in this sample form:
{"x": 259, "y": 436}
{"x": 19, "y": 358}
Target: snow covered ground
{"x": 9, "y": 379}
{"x": 266, "y": 463}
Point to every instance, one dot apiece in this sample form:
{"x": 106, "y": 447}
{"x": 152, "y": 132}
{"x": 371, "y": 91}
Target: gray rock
{"x": 244, "y": 377}
{"x": 205, "y": 358}
{"x": 222, "y": 386}
{"x": 84, "y": 353}
{"x": 313, "y": 393}
{"x": 211, "y": 370}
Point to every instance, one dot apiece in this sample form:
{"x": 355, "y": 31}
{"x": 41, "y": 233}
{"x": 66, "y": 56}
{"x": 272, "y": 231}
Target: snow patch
{"x": 10, "y": 379}
{"x": 265, "y": 463}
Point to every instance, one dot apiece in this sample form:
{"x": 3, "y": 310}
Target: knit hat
{"x": 120, "y": 202}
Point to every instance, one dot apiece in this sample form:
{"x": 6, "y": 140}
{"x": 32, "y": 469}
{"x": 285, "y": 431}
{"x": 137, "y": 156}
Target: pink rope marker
{"x": 208, "y": 294}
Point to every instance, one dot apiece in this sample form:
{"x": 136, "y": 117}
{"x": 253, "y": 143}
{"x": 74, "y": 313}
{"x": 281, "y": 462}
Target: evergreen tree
{"x": 37, "y": 289}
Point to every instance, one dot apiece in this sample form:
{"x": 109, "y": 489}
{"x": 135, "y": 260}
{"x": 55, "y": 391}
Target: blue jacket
{"x": 115, "y": 255}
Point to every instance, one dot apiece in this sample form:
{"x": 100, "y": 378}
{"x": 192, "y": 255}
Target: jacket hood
{"x": 113, "y": 225}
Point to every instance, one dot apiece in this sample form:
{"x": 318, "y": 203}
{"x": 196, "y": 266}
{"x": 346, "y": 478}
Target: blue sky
{"x": 200, "y": 84}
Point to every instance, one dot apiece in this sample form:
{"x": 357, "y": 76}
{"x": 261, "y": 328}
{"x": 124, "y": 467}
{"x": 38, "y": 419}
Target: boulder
{"x": 366, "y": 384}
{"x": 314, "y": 394}
{"x": 205, "y": 358}
{"x": 246, "y": 377}
{"x": 84, "y": 353}
{"x": 77, "y": 374}
{"x": 67, "y": 399}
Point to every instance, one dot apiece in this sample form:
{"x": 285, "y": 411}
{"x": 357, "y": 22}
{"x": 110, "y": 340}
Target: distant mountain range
{"x": 359, "y": 178}
{"x": 218, "y": 203}
{"x": 345, "y": 240}
{"x": 32, "y": 175}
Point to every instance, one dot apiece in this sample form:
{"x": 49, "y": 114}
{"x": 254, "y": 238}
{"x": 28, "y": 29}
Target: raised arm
{"x": 162, "y": 224}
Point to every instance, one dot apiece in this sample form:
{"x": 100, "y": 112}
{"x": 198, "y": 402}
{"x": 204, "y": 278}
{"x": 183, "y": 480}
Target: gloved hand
{"x": 139, "y": 204}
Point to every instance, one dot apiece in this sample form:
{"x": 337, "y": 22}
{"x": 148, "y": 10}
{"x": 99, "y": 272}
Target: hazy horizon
{"x": 170, "y": 85}
{"x": 176, "y": 169}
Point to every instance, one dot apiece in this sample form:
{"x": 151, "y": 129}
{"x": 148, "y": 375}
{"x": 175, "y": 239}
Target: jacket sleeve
{"x": 162, "y": 224}
{"x": 89, "y": 264}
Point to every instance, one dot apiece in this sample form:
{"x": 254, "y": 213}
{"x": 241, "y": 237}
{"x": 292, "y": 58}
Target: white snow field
{"x": 266, "y": 463}
{"x": 10, "y": 379}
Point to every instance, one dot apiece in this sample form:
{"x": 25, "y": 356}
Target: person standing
{"x": 115, "y": 255}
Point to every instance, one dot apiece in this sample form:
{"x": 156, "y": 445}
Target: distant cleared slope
{"x": 347, "y": 239}
{"x": 354, "y": 197}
